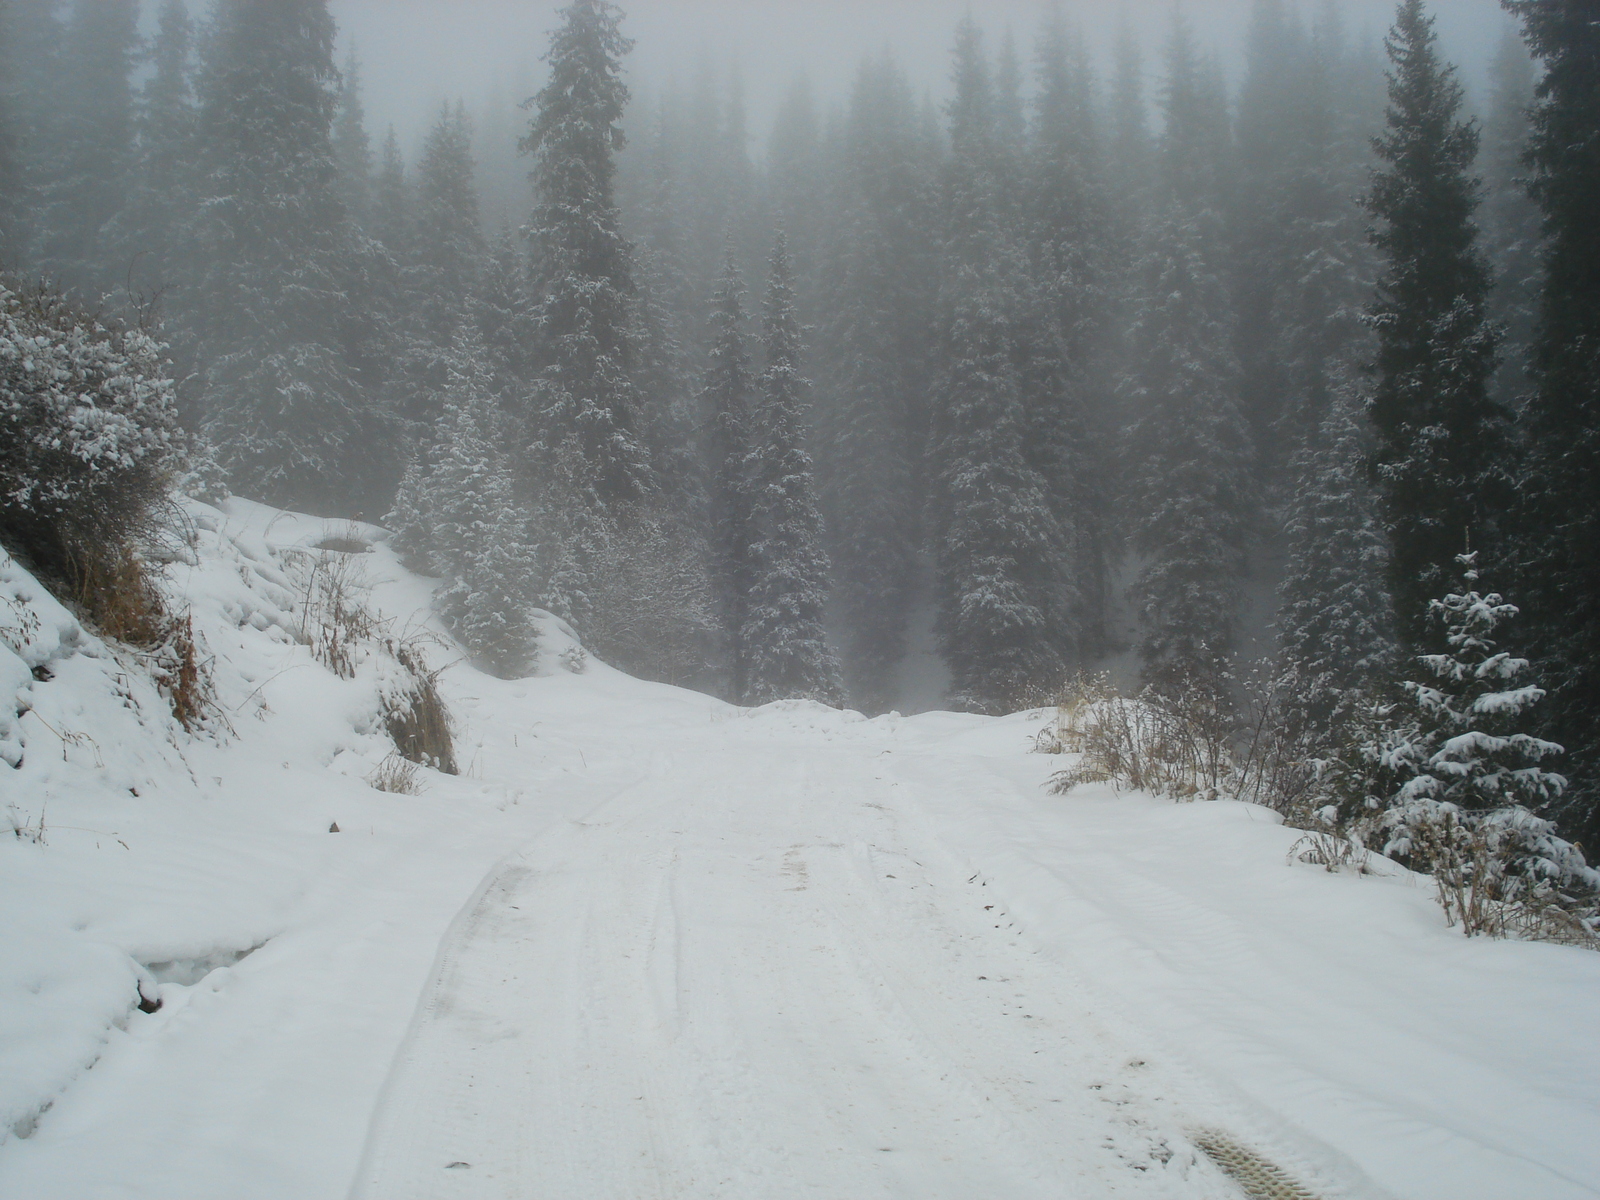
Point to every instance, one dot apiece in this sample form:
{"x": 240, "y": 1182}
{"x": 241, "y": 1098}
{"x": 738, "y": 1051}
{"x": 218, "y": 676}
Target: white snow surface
{"x": 650, "y": 944}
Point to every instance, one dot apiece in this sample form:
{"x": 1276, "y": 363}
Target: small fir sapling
{"x": 1471, "y": 783}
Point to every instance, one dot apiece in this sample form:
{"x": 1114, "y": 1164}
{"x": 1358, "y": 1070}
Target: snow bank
{"x": 145, "y": 864}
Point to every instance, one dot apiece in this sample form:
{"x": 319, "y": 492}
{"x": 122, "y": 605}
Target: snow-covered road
{"x": 756, "y": 974}
{"x": 717, "y": 952}
{"x": 794, "y": 953}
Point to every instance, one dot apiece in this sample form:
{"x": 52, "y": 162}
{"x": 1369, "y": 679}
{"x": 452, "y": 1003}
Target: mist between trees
{"x": 1077, "y": 362}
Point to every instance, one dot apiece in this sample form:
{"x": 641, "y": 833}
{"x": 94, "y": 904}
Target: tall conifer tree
{"x": 585, "y": 402}
{"x": 1071, "y": 230}
{"x": 1191, "y": 489}
{"x": 1558, "y": 524}
{"x": 1441, "y": 459}
{"x": 290, "y": 421}
{"x": 728, "y": 411}
{"x": 1510, "y": 218}
{"x": 89, "y": 169}
{"x": 352, "y": 148}
{"x": 1005, "y": 600}
{"x": 30, "y": 80}
{"x": 785, "y": 640}
{"x": 1336, "y": 626}
{"x": 161, "y": 209}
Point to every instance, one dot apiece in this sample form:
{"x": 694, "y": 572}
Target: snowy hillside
{"x": 647, "y": 943}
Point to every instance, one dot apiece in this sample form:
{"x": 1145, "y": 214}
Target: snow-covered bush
{"x": 1470, "y": 782}
{"x": 1163, "y": 741}
{"x": 88, "y": 433}
{"x": 89, "y": 443}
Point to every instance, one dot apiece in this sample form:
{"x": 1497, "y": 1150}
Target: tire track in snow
{"x": 713, "y": 988}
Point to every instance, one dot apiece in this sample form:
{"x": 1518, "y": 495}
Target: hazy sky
{"x": 419, "y": 52}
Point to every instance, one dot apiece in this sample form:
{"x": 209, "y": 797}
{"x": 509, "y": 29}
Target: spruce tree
{"x": 1191, "y": 491}
{"x": 785, "y": 641}
{"x": 443, "y": 261}
{"x": 1558, "y": 523}
{"x": 869, "y": 494}
{"x": 1005, "y": 599}
{"x": 1511, "y": 235}
{"x": 31, "y": 90}
{"x": 161, "y": 209}
{"x": 390, "y": 220}
{"x": 89, "y": 165}
{"x": 878, "y": 281}
{"x": 1335, "y": 626}
{"x": 503, "y": 314}
{"x": 352, "y": 148}
{"x": 291, "y": 422}
{"x": 728, "y": 411}
{"x": 1271, "y": 125}
{"x": 1131, "y": 150}
{"x": 585, "y": 419}
{"x": 1071, "y": 231}
{"x": 477, "y": 538}
{"x": 1469, "y": 773}
{"x": 1441, "y": 458}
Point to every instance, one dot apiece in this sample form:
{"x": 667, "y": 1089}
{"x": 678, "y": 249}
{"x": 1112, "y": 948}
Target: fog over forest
{"x": 416, "y": 54}
{"x": 898, "y": 355}
{"x": 420, "y": 52}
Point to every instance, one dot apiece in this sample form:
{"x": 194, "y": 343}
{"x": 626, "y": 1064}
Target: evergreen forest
{"x": 1272, "y": 389}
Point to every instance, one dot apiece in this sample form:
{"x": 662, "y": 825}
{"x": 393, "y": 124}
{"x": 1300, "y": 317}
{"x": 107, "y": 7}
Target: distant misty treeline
{"x": 1064, "y": 343}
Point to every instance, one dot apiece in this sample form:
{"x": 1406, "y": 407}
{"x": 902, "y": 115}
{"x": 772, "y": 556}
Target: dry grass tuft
{"x": 397, "y": 775}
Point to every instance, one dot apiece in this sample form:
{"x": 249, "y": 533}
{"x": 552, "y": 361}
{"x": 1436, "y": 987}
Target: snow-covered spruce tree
{"x": 1335, "y": 627}
{"x": 1442, "y": 453}
{"x": 1558, "y": 524}
{"x": 408, "y": 518}
{"x": 1301, "y": 270}
{"x": 1006, "y": 606}
{"x": 89, "y": 165}
{"x": 877, "y": 279}
{"x": 1271, "y": 128}
{"x": 1129, "y": 162}
{"x": 1331, "y": 264}
{"x": 868, "y": 492}
{"x": 441, "y": 272}
{"x": 496, "y": 622}
{"x": 1191, "y": 492}
{"x": 1465, "y": 810}
{"x": 785, "y": 642}
{"x": 352, "y": 148}
{"x": 30, "y": 81}
{"x": 503, "y": 315}
{"x": 290, "y": 420}
{"x": 1070, "y": 230}
{"x": 476, "y": 536}
{"x": 161, "y": 204}
{"x": 584, "y": 403}
{"x": 390, "y": 219}
{"x": 1512, "y": 239}
{"x": 728, "y": 411}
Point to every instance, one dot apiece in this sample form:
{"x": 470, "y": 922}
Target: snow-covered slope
{"x": 649, "y": 944}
